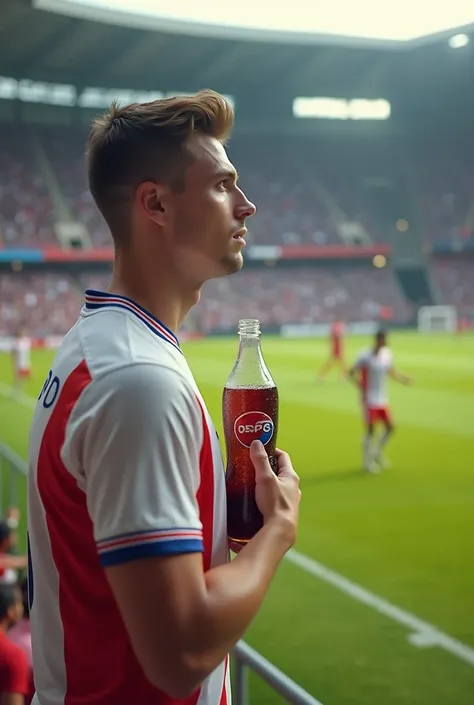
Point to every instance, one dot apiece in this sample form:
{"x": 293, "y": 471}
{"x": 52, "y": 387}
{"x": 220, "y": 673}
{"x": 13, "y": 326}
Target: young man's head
{"x": 380, "y": 339}
{"x": 11, "y": 605}
{"x": 161, "y": 178}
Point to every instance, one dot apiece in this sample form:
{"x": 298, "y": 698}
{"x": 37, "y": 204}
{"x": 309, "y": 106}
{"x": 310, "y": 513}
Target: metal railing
{"x": 13, "y": 471}
{"x": 247, "y": 658}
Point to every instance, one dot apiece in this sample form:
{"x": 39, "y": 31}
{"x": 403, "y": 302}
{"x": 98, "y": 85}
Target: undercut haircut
{"x": 148, "y": 142}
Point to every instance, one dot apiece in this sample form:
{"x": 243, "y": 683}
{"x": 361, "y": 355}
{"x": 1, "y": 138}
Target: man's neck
{"x": 162, "y": 295}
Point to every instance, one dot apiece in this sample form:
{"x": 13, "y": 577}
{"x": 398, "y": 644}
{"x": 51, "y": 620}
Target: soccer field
{"x": 383, "y": 612}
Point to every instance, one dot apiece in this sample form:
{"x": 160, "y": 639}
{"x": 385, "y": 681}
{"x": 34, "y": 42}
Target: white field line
{"x": 422, "y": 634}
{"x": 7, "y": 391}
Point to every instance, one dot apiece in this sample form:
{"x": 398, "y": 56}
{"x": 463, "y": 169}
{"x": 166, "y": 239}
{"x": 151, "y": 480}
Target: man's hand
{"x": 277, "y": 495}
{"x": 401, "y": 378}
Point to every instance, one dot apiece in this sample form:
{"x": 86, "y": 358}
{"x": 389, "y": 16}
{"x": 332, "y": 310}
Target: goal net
{"x": 437, "y": 319}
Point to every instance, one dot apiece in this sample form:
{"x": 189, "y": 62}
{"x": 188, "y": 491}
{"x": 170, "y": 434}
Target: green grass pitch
{"x": 406, "y": 535}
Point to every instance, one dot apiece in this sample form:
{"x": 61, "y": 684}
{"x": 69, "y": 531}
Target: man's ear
{"x": 152, "y": 200}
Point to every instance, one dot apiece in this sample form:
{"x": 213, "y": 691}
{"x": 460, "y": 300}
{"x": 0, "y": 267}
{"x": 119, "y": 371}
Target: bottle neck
{"x": 250, "y": 368}
{"x": 249, "y": 347}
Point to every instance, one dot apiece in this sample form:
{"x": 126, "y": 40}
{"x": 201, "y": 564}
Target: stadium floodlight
{"x": 341, "y": 109}
{"x": 437, "y": 319}
{"x": 299, "y": 20}
{"x": 458, "y": 41}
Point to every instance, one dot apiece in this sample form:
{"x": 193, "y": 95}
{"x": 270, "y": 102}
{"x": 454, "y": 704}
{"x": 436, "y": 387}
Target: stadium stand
{"x": 301, "y": 192}
{"x": 49, "y": 304}
{"x": 297, "y": 195}
{"x": 455, "y": 279}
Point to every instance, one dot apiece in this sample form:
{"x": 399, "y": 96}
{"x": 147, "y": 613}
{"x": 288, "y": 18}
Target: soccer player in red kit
{"x": 336, "y": 352}
{"x": 371, "y": 370}
{"x": 133, "y": 597}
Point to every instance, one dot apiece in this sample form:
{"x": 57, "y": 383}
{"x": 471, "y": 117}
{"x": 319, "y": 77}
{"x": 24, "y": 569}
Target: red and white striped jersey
{"x": 374, "y": 370}
{"x": 124, "y": 463}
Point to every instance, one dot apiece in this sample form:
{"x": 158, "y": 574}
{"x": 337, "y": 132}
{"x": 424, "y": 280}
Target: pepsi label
{"x": 254, "y": 426}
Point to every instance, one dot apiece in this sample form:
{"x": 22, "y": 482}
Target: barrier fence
{"x": 12, "y": 480}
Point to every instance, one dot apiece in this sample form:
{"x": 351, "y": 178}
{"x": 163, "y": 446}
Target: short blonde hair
{"x": 147, "y": 141}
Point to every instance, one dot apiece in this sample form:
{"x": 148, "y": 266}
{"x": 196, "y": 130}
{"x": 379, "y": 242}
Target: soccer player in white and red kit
{"x": 21, "y": 357}
{"x": 372, "y": 368}
{"x": 133, "y": 599}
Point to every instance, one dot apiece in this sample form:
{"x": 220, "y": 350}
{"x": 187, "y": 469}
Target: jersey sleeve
{"x": 390, "y": 363}
{"x": 141, "y": 464}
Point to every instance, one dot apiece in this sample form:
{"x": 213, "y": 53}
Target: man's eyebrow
{"x": 227, "y": 174}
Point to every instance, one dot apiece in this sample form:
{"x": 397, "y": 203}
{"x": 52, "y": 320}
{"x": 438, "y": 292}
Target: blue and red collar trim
{"x": 95, "y": 300}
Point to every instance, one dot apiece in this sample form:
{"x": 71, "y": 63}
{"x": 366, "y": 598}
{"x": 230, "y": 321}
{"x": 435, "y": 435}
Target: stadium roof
{"x": 44, "y": 46}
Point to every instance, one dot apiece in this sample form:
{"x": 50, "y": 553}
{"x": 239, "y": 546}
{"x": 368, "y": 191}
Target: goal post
{"x": 437, "y": 319}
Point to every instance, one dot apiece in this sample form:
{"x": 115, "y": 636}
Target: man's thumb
{"x": 259, "y": 458}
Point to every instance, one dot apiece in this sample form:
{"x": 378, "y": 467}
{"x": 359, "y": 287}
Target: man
{"x": 372, "y": 368}
{"x": 21, "y": 357}
{"x": 336, "y": 353}
{"x": 14, "y": 668}
{"x": 133, "y": 598}
{"x": 9, "y": 563}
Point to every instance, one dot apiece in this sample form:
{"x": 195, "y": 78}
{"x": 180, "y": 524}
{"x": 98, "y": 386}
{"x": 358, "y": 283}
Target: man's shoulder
{"x": 111, "y": 339}
{"x": 109, "y": 343}
{"x": 387, "y": 354}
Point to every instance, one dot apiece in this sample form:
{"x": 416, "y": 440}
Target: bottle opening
{"x": 249, "y": 326}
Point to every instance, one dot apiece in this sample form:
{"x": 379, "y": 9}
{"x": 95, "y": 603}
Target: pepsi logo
{"x": 254, "y": 426}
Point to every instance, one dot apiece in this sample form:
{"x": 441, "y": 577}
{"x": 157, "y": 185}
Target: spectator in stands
{"x": 14, "y": 668}
{"x": 20, "y": 634}
{"x": 9, "y": 564}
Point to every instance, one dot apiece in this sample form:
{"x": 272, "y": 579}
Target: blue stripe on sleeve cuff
{"x": 126, "y": 554}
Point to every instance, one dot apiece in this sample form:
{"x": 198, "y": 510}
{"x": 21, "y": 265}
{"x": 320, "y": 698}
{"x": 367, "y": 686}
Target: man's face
{"x": 15, "y": 612}
{"x": 208, "y": 216}
{"x": 381, "y": 341}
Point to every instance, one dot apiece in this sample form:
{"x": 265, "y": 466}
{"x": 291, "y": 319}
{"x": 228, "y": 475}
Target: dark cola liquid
{"x": 248, "y": 414}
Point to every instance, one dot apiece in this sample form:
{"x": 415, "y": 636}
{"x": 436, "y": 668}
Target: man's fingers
{"x": 285, "y": 467}
{"x": 259, "y": 458}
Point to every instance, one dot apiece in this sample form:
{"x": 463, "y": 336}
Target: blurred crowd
{"x": 40, "y": 304}
{"x": 49, "y": 304}
{"x": 302, "y": 295}
{"x": 16, "y": 662}
{"x": 302, "y": 191}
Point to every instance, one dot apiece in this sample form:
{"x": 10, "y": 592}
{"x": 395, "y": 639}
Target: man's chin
{"x": 234, "y": 263}
{"x": 229, "y": 265}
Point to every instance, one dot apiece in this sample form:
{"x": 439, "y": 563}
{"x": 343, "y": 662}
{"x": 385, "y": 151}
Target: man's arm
{"x": 183, "y": 622}
{"x": 400, "y": 377}
{"x": 354, "y": 372}
{"x": 8, "y": 562}
{"x": 13, "y": 699}
{"x": 141, "y": 464}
